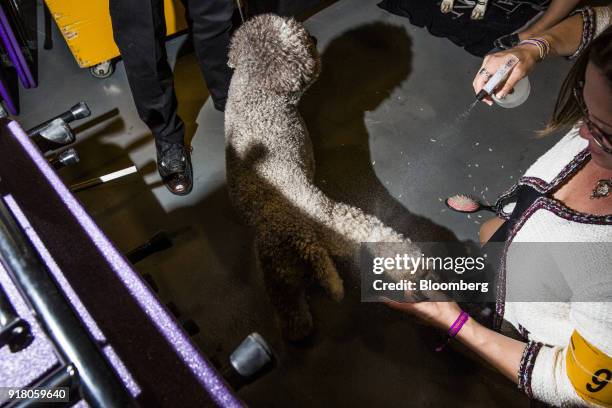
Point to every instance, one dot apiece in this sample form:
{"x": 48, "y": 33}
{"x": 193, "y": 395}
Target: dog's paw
{"x": 479, "y": 12}
{"x": 446, "y": 6}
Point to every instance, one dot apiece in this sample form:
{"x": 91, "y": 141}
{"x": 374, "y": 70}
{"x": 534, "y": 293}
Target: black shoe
{"x": 220, "y": 104}
{"x": 174, "y": 166}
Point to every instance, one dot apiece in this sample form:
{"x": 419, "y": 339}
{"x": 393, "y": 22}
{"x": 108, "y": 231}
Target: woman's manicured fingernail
{"x": 489, "y": 103}
{"x": 500, "y": 95}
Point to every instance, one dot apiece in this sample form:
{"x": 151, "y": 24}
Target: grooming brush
{"x": 466, "y": 204}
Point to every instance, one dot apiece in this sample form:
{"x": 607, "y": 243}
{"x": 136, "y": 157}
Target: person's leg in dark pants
{"x": 139, "y": 31}
{"x": 211, "y": 25}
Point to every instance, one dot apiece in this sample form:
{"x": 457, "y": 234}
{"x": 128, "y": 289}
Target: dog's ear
{"x": 276, "y": 53}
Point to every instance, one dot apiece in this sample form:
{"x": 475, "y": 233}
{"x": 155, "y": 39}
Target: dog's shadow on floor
{"x": 360, "y": 69}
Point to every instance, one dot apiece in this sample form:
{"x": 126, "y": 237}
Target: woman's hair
{"x": 567, "y": 112}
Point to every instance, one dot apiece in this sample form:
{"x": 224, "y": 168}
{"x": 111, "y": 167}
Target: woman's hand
{"x": 437, "y": 314}
{"x": 527, "y": 55}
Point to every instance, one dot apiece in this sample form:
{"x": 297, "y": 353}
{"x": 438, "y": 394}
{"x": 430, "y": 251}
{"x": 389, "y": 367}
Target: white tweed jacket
{"x": 578, "y": 298}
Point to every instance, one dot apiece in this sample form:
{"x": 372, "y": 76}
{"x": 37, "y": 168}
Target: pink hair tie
{"x": 454, "y": 329}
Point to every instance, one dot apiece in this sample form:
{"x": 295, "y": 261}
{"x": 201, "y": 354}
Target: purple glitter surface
{"x": 23, "y": 368}
{"x": 12, "y": 47}
{"x": 76, "y": 303}
{"x": 122, "y": 370}
{"x": 186, "y": 351}
{"x": 60, "y": 279}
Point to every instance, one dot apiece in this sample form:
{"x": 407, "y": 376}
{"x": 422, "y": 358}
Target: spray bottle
{"x": 515, "y": 98}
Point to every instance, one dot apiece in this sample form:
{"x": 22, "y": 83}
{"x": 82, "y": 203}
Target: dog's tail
{"x": 340, "y": 229}
{"x": 345, "y": 227}
{"x": 354, "y": 224}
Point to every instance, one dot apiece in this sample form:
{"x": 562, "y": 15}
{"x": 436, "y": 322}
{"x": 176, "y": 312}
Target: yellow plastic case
{"x": 86, "y": 27}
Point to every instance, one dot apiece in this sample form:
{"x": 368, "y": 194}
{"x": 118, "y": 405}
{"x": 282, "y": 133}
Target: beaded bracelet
{"x": 454, "y": 329}
{"x": 588, "y": 29}
{"x": 541, "y": 43}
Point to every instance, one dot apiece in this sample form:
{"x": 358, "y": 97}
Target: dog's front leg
{"x": 286, "y": 286}
{"x": 288, "y": 296}
{"x": 480, "y": 10}
{"x": 447, "y": 6}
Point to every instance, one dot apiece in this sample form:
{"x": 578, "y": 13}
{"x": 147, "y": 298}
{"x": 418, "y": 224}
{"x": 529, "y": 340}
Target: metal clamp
{"x": 14, "y": 331}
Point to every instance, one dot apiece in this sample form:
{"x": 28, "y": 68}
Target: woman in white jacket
{"x": 564, "y": 357}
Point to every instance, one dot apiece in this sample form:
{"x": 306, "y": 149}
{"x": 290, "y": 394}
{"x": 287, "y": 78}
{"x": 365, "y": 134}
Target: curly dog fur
{"x": 270, "y": 169}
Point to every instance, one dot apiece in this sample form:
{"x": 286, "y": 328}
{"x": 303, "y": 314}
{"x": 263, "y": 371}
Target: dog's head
{"x": 275, "y": 52}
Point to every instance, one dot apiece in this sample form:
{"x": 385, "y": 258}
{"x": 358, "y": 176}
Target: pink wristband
{"x": 453, "y": 330}
{"x": 455, "y": 327}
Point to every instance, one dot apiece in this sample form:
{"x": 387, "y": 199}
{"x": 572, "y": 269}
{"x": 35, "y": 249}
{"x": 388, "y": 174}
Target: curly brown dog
{"x": 270, "y": 170}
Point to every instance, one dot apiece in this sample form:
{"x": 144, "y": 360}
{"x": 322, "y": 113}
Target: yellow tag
{"x": 590, "y": 371}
